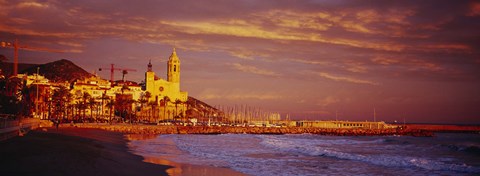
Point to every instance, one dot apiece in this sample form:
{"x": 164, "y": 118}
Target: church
{"x": 167, "y": 93}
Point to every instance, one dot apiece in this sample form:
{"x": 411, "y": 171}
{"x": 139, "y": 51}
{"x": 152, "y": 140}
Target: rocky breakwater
{"x": 299, "y": 130}
{"x": 159, "y": 129}
{"x": 128, "y": 128}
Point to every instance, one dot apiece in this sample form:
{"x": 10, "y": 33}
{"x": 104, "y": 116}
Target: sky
{"x": 413, "y": 61}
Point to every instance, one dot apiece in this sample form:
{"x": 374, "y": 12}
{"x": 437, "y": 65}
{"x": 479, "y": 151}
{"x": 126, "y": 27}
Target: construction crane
{"x": 16, "y": 46}
{"x": 113, "y": 69}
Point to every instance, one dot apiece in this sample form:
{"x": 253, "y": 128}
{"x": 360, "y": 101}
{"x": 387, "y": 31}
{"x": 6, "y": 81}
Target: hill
{"x": 60, "y": 71}
{"x": 7, "y": 67}
{"x": 201, "y": 109}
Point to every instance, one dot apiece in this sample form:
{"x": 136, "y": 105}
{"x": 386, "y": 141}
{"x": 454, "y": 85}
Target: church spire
{"x": 149, "y": 65}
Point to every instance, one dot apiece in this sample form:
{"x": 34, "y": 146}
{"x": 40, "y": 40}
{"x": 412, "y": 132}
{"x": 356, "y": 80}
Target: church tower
{"x": 149, "y": 78}
{"x": 173, "y": 73}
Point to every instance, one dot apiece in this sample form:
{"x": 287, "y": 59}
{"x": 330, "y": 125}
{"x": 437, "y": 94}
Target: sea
{"x": 306, "y": 154}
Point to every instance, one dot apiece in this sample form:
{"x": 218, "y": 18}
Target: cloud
{"x": 342, "y": 78}
{"x": 355, "y": 67}
{"x": 253, "y": 70}
{"x": 384, "y": 60}
{"x": 474, "y": 9}
{"x": 312, "y": 62}
{"x": 408, "y": 63}
{"x": 32, "y": 5}
{"x": 247, "y": 54}
{"x": 238, "y": 94}
{"x": 328, "y": 101}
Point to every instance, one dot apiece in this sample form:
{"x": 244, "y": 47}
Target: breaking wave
{"x": 316, "y": 148}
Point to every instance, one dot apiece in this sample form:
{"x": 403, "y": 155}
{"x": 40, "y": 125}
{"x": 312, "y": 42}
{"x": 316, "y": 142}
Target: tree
{"x": 84, "y": 106}
{"x": 2, "y": 59}
{"x": 153, "y": 105}
{"x": 148, "y": 95}
{"x": 92, "y": 104}
{"x": 60, "y": 100}
{"x": 165, "y": 101}
{"x": 143, "y": 101}
{"x": 177, "y": 102}
{"x": 110, "y": 104}
{"x": 103, "y": 98}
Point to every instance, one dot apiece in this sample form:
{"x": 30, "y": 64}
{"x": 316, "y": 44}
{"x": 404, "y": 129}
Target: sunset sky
{"x": 418, "y": 60}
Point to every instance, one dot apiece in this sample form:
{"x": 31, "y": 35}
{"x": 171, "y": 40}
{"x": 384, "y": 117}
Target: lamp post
{"x": 36, "y": 100}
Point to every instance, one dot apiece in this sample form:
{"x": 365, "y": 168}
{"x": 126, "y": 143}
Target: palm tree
{"x": 69, "y": 98}
{"x": 85, "y": 97}
{"x": 153, "y": 105}
{"x": 177, "y": 101}
{"x": 165, "y": 101}
{"x": 60, "y": 100}
{"x": 124, "y": 88}
{"x": 92, "y": 103}
{"x": 143, "y": 101}
{"x": 110, "y": 104}
{"x": 148, "y": 95}
{"x": 103, "y": 98}
{"x": 130, "y": 111}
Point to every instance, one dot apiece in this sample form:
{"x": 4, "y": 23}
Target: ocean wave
{"x": 301, "y": 147}
{"x": 470, "y": 149}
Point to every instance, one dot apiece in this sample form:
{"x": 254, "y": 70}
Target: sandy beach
{"x": 182, "y": 169}
{"x": 72, "y": 151}
{"x": 83, "y": 151}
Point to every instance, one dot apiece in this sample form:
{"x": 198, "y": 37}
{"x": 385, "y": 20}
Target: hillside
{"x": 60, "y": 71}
{"x": 7, "y": 67}
{"x": 199, "y": 108}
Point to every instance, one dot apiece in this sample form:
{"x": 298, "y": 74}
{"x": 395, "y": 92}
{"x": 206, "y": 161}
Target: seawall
{"x": 159, "y": 129}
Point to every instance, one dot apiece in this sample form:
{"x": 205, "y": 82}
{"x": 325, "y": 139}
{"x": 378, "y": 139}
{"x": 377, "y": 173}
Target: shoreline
{"x": 73, "y": 151}
{"x": 179, "y": 169}
{"x": 87, "y": 151}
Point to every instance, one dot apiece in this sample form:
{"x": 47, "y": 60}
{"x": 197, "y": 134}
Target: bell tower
{"x": 149, "y": 78}
{"x": 173, "y": 73}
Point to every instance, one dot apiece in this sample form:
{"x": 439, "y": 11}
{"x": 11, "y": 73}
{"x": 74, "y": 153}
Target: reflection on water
{"x": 135, "y": 137}
{"x": 165, "y": 150}
{"x": 303, "y": 154}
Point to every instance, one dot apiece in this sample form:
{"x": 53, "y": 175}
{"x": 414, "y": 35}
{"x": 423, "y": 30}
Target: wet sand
{"x": 83, "y": 151}
{"x": 181, "y": 169}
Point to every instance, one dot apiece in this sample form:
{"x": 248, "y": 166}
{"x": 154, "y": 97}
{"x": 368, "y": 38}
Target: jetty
{"x": 175, "y": 129}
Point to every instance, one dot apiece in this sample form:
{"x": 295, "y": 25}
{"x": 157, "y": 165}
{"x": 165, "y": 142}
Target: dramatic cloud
{"x": 254, "y": 70}
{"x": 342, "y": 78}
{"x": 269, "y": 51}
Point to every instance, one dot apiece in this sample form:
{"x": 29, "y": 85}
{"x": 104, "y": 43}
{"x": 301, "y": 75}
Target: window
{"x": 174, "y": 68}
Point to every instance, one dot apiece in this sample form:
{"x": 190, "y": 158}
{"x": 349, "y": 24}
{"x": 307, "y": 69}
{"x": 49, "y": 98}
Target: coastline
{"x": 179, "y": 169}
{"x": 87, "y": 151}
{"x": 73, "y": 151}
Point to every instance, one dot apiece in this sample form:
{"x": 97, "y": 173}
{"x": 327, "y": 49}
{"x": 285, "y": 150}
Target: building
{"x": 167, "y": 93}
{"x": 345, "y": 124}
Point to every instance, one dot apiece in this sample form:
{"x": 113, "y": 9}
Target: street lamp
{"x": 36, "y": 100}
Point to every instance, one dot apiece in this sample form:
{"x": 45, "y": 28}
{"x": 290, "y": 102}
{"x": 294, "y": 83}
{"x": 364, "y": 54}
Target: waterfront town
{"x": 158, "y": 105}
{"x": 91, "y": 98}
{"x": 155, "y": 101}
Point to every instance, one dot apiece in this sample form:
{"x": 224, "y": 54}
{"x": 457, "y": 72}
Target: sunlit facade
{"x": 167, "y": 93}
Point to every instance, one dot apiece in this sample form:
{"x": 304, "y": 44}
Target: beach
{"x": 82, "y": 151}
